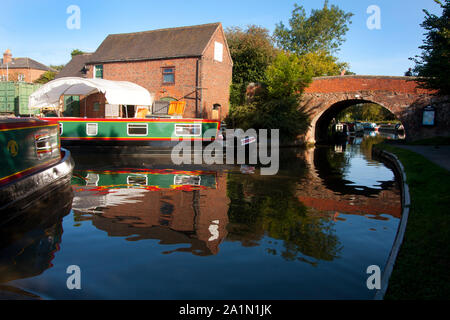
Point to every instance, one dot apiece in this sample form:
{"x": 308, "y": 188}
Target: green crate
{"x": 23, "y": 92}
{"x": 7, "y": 97}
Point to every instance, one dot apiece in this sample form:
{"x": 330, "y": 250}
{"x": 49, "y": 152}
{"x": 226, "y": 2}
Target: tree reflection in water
{"x": 267, "y": 206}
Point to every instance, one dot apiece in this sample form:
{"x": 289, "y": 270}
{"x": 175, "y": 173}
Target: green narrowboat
{"x": 31, "y": 160}
{"x": 145, "y": 179}
{"x": 128, "y": 131}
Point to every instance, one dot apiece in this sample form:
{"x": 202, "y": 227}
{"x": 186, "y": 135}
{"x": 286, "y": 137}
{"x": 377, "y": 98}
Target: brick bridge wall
{"x": 327, "y": 96}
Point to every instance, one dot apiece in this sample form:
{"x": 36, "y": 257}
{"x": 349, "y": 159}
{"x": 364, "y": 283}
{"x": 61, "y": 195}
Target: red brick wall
{"x": 148, "y": 74}
{"x": 216, "y": 77}
{"x": 89, "y": 102}
{"x": 361, "y": 83}
{"x": 30, "y": 74}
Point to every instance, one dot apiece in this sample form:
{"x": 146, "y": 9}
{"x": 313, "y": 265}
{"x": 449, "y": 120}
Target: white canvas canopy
{"x": 116, "y": 92}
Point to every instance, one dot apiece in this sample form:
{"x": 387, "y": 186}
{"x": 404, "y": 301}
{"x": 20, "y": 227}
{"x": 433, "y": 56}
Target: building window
{"x": 97, "y": 106}
{"x": 98, "y": 71}
{"x": 168, "y": 75}
{"x": 218, "y": 51}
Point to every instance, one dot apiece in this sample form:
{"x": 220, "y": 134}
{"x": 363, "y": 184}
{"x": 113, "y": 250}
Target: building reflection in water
{"x": 173, "y": 206}
{"x": 28, "y": 243}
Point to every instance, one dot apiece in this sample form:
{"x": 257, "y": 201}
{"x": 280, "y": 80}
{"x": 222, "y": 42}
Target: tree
{"x": 252, "y": 51}
{"x": 275, "y": 105}
{"x": 287, "y": 76}
{"x": 57, "y": 67}
{"x": 46, "y": 77}
{"x": 76, "y": 52}
{"x": 320, "y": 63}
{"x": 324, "y": 30}
{"x": 433, "y": 65}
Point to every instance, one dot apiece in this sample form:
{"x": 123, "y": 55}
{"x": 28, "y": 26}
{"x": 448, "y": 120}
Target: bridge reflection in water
{"x": 308, "y": 232}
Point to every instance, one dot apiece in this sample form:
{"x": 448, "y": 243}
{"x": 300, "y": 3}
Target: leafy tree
{"x": 46, "y": 77}
{"x": 324, "y": 30}
{"x": 76, "y": 52}
{"x": 275, "y": 106}
{"x": 366, "y": 112}
{"x": 433, "y": 65}
{"x": 321, "y": 63}
{"x": 252, "y": 51}
{"x": 57, "y": 67}
{"x": 287, "y": 76}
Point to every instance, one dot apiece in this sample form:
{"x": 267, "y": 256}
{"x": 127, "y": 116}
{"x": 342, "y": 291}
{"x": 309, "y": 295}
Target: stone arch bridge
{"x": 327, "y": 96}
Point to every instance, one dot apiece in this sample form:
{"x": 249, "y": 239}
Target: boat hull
{"x": 19, "y": 194}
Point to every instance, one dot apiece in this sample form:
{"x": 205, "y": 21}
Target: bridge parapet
{"x": 357, "y": 83}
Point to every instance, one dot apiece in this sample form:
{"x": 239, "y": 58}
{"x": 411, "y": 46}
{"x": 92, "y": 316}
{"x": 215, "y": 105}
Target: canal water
{"x": 140, "y": 228}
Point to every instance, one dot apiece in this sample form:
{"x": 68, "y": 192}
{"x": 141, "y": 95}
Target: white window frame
{"x": 188, "y": 135}
{"x": 96, "y": 129}
{"x": 218, "y": 51}
{"x": 95, "y": 71}
{"x": 137, "y": 135}
{"x": 92, "y": 179}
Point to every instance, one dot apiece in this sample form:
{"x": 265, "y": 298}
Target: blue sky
{"x": 37, "y": 29}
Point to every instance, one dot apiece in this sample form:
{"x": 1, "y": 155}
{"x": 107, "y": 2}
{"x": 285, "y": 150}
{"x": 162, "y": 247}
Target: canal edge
{"x": 406, "y": 203}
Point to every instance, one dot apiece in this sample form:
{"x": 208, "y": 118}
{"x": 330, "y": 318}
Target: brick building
{"x": 191, "y": 64}
{"x": 20, "y": 69}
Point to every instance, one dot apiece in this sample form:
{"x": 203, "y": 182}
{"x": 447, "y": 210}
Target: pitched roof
{"x": 156, "y": 44}
{"x": 25, "y": 63}
{"x": 75, "y": 67}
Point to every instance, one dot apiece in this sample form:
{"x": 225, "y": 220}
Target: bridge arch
{"x": 326, "y": 96}
{"x": 323, "y": 119}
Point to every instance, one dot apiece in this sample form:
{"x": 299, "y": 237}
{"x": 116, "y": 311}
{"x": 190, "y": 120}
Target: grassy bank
{"x": 437, "y": 141}
{"x": 422, "y": 267}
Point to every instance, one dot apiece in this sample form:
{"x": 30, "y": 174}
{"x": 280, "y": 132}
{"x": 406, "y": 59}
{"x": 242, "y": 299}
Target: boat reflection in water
{"x": 28, "y": 243}
{"x": 173, "y": 206}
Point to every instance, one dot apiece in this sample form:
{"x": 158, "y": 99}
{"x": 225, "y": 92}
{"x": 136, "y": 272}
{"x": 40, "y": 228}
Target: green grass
{"x": 422, "y": 267}
{"x": 436, "y": 141}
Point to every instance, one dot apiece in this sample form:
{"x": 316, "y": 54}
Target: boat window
{"x": 91, "y": 129}
{"x": 186, "y": 180}
{"x": 44, "y": 145}
{"x": 92, "y": 179}
{"x": 137, "y": 129}
{"x": 61, "y": 129}
{"x": 190, "y": 130}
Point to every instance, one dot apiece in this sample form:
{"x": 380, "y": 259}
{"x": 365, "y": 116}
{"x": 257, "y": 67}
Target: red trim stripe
{"x": 132, "y": 139}
{"x": 131, "y": 120}
{"x": 26, "y": 125}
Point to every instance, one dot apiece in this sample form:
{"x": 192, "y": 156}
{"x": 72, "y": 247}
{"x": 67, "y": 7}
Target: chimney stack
{"x": 7, "y": 56}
